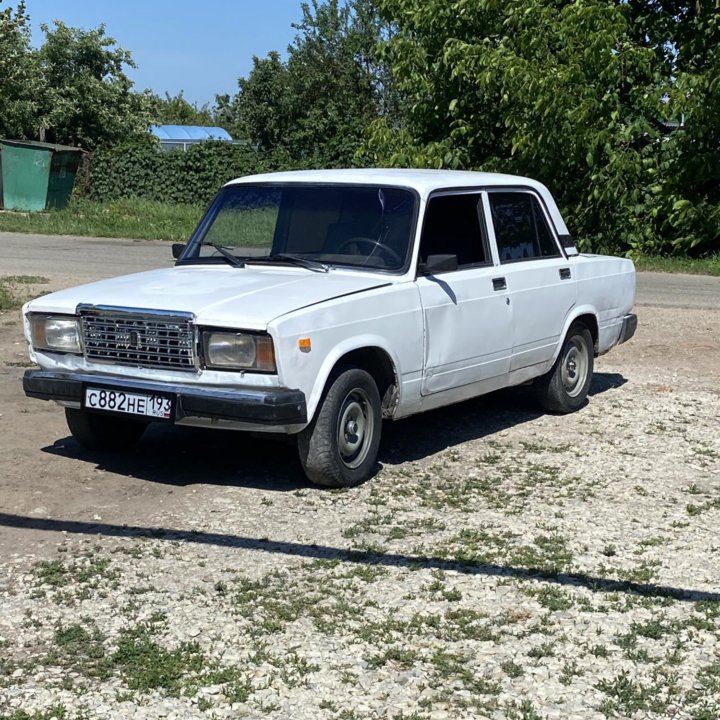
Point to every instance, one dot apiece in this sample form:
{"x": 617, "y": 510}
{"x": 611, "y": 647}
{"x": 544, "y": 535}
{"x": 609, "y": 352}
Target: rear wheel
{"x": 565, "y": 387}
{"x": 339, "y": 448}
{"x": 103, "y": 432}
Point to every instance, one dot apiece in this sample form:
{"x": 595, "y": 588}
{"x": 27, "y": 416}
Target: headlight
{"x": 238, "y": 351}
{"x": 57, "y": 333}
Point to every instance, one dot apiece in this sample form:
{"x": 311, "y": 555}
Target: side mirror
{"x": 439, "y": 263}
{"x": 177, "y": 249}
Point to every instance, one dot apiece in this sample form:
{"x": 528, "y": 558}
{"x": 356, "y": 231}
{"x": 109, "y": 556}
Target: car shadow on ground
{"x": 423, "y": 435}
{"x": 182, "y": 456}
{"x": 595, "y": 583}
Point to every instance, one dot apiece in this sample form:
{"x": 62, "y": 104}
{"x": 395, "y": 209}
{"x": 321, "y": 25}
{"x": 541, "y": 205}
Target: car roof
{"x": 422, "y": 181}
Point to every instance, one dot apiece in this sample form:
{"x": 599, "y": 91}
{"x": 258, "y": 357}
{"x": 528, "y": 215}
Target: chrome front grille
{"x": 138, "y": 338}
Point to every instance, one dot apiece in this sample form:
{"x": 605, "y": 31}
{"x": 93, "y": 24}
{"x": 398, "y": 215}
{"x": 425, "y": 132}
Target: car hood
{"x": 248, "y": 297}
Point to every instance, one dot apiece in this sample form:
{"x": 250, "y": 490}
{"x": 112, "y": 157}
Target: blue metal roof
{"x": 189, "y": 133}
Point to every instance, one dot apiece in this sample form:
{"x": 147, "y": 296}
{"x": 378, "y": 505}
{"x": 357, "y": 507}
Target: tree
{"x": 260, "y": 112}
{"x": 72, "y": 90}
{"x": 176, "y": 110}
{"x": 577, "y": 94}
{"x": 88, "y": 98}
{"x": 686, "y": 38}
{"x": 21, "y": 80}
{"x": 314, "y": 107}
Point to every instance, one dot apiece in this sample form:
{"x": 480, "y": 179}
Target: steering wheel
{"x": 376, "y": 245}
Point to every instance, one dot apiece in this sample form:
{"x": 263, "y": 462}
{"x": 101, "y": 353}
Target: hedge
{"x": 190, "y": 177}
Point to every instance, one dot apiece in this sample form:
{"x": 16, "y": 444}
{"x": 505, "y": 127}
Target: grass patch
{"x": 87, "y": 570}
{"x": 627, "y": 696}
{"x": 80, "y": 647}
{"x": 400, "y": 657}
{"x": 692, "y": 266}
{"x": 145, "y": 665}
{"x": 512, "y": 669}
{"x": 13, "y": 289}
{"x": 129, "y": 218}
{"x": 56, "y": 712}
{"x": 551, "y": 598}
{"x": 69, "y": 583}
{"x": 698, "y": 509}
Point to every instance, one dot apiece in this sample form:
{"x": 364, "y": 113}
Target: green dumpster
{"x": 37, "y": 176}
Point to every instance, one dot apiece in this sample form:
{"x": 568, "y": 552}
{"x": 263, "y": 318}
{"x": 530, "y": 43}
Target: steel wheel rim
{"x": 355, "y": 428}
{"x": 574, "y": 367}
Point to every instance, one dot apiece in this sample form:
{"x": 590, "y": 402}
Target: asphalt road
{"x": 85, "y": 258}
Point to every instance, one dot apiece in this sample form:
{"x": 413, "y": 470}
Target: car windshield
{"x": 315, "y": 226}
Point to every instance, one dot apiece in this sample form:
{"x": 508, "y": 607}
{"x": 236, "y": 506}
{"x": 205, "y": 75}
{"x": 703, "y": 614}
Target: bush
{"x": 191, "y": 177}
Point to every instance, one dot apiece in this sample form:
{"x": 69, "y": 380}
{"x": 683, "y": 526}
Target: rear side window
{"x": 452, "y": 227}
{"x": 521, "y": 231}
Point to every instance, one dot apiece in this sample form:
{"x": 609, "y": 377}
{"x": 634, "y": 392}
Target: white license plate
{"x": 120, "y": 401}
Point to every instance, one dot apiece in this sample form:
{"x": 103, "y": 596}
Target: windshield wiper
{"x": 313, "y": 265}
{"x": 232, "y": 259}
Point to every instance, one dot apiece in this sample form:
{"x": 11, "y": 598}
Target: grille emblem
{"x": 134, "y": 339}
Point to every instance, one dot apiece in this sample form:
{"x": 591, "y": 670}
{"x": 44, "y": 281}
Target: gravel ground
{"x": 503, "y": 563}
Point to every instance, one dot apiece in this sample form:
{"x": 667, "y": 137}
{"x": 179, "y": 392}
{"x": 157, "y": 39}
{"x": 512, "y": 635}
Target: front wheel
{"x": 564, "y": 389}
{"x": 103, "y": 432}
{"x": 339, "y": 448}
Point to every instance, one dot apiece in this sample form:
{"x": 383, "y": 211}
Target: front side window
{"x": 452, "y": 227}
{"x": 355, "y": 226}
{"x": 521, "y": 231}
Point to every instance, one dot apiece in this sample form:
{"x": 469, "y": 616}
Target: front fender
{"x": 359, "y": 342}
{"x": 311, "y": 342}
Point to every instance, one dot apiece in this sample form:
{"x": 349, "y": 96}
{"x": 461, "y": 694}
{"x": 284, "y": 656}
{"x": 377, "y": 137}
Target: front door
{"x": 467, "y": 316}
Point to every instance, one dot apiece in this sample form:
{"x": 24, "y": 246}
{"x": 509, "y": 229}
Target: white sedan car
{"x": 319, "y": 303}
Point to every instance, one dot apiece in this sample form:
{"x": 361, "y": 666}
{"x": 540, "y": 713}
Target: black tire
{"x": 103, "y": 432}
{"x": 339, "y": 447}
{"x": 565, "y": 387}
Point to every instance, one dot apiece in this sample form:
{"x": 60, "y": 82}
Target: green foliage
{"x": 574, "y": 94}
{"x": 193, "y": 177}
{"x": 87, "y": 100}
{"x": 72, "y": 90}
{"x": 146, "y": 665}
{"x": 316, "y": 106}
{"x": 80, "y": 647}
{"x": 176, "y": 110}
{"x": 260, "y": 110}
{"x": 20, "y": 85}
{"x": 615, "y": 105}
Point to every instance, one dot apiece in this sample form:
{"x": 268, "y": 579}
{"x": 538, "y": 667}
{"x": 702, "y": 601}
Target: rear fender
{"x": 577, "y": 312}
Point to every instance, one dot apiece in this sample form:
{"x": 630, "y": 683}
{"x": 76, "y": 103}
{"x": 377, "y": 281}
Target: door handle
{"x": 565, "y": 273}
{"x": 499, "y": 283}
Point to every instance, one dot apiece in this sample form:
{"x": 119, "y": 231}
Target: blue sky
{"x": 200, "y": 47}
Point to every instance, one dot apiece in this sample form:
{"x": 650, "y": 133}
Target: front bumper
{"x": 246, "y": 408}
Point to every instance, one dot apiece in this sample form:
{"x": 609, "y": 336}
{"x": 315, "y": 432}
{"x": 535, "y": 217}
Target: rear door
{"x": 467, "y": 318}
{"x": 540, "y": 281}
